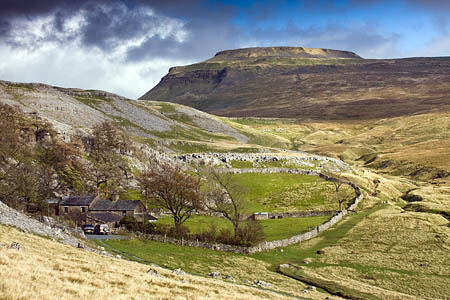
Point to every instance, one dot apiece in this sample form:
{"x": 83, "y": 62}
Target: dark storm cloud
{"x": 205, "y": 36}
{"x": 109, "y": 24}
{"x": 107, "y": 27}
{"x": 14, "y": 8}
{"x": 208, "y": 26}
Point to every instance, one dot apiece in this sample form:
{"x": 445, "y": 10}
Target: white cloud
{"x": 439, "y": 46}
{"x": 71, "y": 66}
{"x": 38, "y": 53}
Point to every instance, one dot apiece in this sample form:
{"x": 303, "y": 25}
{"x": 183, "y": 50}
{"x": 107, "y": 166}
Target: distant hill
{"x": 308, "y": 83}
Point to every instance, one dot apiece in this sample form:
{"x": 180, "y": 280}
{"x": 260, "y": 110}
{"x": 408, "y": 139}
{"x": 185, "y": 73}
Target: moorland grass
{"x": 413, "y": 145}
{"x": 296, "y": 254}
{"x": 389, "y": 254}
{"x": 201, "y": 261}
{"x": 44, "y": 269}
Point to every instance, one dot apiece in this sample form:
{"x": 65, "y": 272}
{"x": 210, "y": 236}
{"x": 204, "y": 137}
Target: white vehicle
{"x": 101, "y": 229}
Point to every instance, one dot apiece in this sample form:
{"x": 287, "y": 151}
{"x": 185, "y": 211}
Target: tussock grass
{"x": 390, "y": 254}
{"x": 436, "y": 199}
{"x": 413, "y": 145}
{"x": 49, "y": 270}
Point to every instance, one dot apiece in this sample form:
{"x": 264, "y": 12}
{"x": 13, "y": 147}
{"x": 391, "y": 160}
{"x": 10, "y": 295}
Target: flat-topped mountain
{"x": 307, "y": 83}
{"x": 294, "y": 52}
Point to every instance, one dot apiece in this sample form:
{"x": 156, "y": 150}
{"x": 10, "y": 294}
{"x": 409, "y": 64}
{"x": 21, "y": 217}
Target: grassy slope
{"x": 387, "y": 255}
{"x": 203, "y": 261}
{"x": 44, "y": 269}
{"x": 416, "y": 146}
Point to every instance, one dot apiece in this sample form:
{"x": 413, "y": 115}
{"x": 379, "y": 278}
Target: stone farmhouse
{"x": 93, "y": 210}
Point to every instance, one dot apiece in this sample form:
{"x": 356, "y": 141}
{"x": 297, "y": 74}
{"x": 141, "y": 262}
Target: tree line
{"x": 36, "y": 164}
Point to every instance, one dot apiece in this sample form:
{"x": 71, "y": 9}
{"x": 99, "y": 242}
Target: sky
{"x": 126, "y": 46}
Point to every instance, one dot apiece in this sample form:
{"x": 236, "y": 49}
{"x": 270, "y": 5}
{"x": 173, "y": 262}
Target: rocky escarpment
{"x": 307, "y": 83}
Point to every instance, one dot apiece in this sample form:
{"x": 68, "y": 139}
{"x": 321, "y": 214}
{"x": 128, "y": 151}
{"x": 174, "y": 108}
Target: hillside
{"x": 412, "y": 145}
{"x": 71, "y": 273}
{"x": 319, "y": 84}
{"x": 395, "y": 242}
{"x": 167, "y": 127}
{"x": 71, "y": 109}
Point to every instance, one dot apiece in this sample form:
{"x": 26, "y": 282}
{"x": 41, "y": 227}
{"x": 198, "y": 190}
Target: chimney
{"x": 115, "y": 196}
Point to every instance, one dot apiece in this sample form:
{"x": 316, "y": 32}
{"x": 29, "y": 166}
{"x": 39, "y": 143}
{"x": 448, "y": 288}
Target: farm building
{"x": 260, "y": 216}
{"x": 92, "y": 209}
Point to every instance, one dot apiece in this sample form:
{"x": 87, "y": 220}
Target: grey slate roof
{"x": 53, "y": 201}
{"x": 77, "y": 200}
{"x": 103, "y": 205}
{"x": 106, "y": 217}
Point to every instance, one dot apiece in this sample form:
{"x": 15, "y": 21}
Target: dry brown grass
{"x": 49, "y": 270}
{"x": 391, "y": 254}
{"x": 436, "y": 198}
{"x": 413, "y": 145}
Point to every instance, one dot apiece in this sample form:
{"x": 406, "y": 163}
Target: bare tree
{"x": 226, "y": 196}
{"x": 107, "y": 148}
{"x": 169, "y": 187}
{"x": 342, "y": 187}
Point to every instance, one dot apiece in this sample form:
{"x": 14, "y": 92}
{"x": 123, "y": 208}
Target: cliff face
{"x": 307, "y": 83}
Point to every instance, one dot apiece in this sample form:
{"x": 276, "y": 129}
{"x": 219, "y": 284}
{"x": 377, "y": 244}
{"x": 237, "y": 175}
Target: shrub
{"x": 179, "y": 232}
{"x": 251, "y": 233}
{"x": 208, "y": 236}
{"x": 130, "y": 223}
{"x": 225, "y": 236}
{"x": 162, "y": 229}
{"x": 147, "y": 227}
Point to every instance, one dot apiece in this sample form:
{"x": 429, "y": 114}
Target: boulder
{"x": 178, "y": 272}
{"x": 262, "y": 284}
{"x": 15, "y": 245}
{"x": 215, "y": 275}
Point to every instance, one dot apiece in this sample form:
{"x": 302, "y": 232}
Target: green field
{"x": 282, "y": 192}
{"x": 274, "y": 229}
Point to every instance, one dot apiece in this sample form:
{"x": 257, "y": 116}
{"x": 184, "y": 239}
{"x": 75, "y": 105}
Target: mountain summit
{"x": 293, "y": 52}
{"x": 307, "y": 83}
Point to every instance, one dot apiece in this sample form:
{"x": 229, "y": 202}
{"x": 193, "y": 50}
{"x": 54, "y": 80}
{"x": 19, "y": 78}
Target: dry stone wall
{"x": 301, "y": 159}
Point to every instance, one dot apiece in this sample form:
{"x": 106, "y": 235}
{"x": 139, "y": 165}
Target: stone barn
{"x": 88, "y": 209}
{"x": 260, "y": 216}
